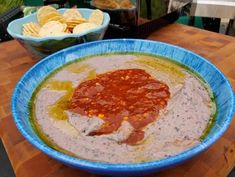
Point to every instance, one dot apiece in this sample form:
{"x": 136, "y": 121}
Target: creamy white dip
{"x": 178, "y": 127}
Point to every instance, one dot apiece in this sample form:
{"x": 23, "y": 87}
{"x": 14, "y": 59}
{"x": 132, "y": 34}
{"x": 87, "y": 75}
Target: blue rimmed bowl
{"x": 41, "y": 47}
{"x": 220, "y": 86}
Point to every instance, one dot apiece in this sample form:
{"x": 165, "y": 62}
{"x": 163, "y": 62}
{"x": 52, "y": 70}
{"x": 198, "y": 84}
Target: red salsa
{"x": 126, "y": 94}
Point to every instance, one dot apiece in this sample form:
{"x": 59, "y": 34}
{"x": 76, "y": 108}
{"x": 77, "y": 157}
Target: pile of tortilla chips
{"x": 52, "y": 23}
{"x": 113, "y": 4}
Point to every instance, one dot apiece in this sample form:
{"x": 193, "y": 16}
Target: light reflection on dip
{"x": 156, "y": 108}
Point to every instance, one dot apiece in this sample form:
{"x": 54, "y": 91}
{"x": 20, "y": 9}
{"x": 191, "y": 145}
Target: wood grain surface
{"x": 27, "y": 161}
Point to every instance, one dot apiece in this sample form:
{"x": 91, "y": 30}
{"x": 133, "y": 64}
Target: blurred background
{"x": 212, "y": 15}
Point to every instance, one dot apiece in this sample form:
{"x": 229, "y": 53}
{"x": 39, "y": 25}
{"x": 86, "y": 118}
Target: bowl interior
{"x": 217, "y": 81}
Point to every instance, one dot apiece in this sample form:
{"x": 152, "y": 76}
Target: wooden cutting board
{"x": 27, "y": 161}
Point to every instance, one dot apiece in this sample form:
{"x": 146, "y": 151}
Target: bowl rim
{"x": 40, "y": 39}
{"x": 131, "y": 167}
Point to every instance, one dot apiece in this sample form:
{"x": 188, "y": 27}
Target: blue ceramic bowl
{"x": 41, "y": 47}
{"x": 222, "y": 89}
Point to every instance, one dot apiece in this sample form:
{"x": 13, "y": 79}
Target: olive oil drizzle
{"x": 76, "y": 68}
{"x": 159, "y": 64}
{"x": 58, "y": 109}
{"x": 91, "y": 75}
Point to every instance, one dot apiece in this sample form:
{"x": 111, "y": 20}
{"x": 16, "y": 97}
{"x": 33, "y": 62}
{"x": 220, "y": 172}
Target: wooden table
{"x": 27, "y": 161}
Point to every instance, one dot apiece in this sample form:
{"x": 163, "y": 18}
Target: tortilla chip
{"x": 96, "y": 17}
{"x": 47, "y": 16}
{"x": 31, "y": 29}
{"x": 43, "y": 11}
{"x": 57, "y": 18}
{"x": 106, "y": 4}
{"x": 52, "y": 28}
{"x": 71, "y": 23}
{"x": 126, "y": 4}
{"x": 84, "y": 27}
{"x": 72, "y": 14}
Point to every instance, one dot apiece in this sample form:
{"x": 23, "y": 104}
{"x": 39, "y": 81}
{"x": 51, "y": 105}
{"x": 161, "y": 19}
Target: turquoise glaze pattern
{"x": 217, "y": 81}
{"x": 41, "y": 47}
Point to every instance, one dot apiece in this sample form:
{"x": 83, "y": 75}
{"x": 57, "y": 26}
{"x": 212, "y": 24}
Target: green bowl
{"x": 41, "y": 47}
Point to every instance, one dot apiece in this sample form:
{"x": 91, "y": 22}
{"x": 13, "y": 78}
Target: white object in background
{"x": 213, "y": 8}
